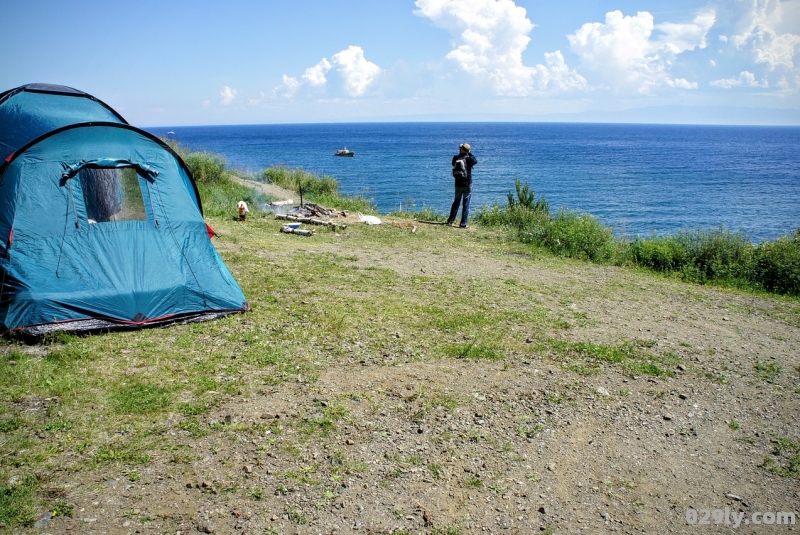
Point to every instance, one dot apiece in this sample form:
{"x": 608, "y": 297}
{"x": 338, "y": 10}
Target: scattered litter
{"x": 310, "y": 209}
{"x": 311, "y": 221}
{"x": 369, "y": 219}
{"x": 302, "y": 232}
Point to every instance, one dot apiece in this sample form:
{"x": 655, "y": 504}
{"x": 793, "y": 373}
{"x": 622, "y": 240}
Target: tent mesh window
{"x": 112, "y": 194}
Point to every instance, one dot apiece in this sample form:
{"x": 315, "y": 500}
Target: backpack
{"x": 460, "y": 169}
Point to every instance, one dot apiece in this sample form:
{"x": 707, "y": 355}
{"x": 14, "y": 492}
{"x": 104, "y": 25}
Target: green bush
{"x": 294, "y": 179}
{"x": 526, "y": 199}
{"x": 580, "y": 236}
{"x": 665, "y": 254}
{"x": 777, "y": 265}
{"x": 717, "y": 255}
{"x": 322, "y": 190}
{"x": 523, "y": 212}
{"x": 207, "y": 168}
{"x": 222, "y": 199}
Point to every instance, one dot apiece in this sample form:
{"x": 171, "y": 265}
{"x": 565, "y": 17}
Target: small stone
{"x": 725, "y": 318}
{"x": 42, "y": 522}
{"x": 551, "y": 467}
{"x": 683, "y": 396}
{"x": 603, "y": 391}
{"x": 681, "y": 367}
{"x": 349, "y": 442}
{"x": 668, "y": 416}
{"x": 206, "y": 484}
{"x": 542, "y": 510}
{"x": 204, "y": 526}
{"x": 248, "y": 469}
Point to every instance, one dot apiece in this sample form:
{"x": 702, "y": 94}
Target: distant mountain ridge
{"x": 710, "y": 115}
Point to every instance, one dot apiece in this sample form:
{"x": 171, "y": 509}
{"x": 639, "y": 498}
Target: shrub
{"x": 717, "y": 255}
{"x": 526, "y": 199}
{"x": 777, "y": 265}
{"x": 665, "y": 254}
{"x": 523, "y": 212}
{"x": 580, "y": 236}
{"x": 221, "y": 199}
{"x": 294, "y": 179}
{"x": 207, "y": 168}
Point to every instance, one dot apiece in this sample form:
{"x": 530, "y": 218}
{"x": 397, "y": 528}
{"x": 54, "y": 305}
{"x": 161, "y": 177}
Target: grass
{"x": 719, "y": 256}
{"x": 633, "y": 357}
{"x": 785, "y": 459}
{"x": 124, "y": 401}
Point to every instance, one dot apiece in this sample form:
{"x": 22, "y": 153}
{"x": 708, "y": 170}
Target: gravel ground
{"x": 523, "y": 445}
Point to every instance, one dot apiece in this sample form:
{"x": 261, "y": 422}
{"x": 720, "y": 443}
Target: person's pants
{"x": 462, "y": 197}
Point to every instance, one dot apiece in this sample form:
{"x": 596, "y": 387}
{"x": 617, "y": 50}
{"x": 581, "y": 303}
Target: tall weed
{"x": 777, "y": 265}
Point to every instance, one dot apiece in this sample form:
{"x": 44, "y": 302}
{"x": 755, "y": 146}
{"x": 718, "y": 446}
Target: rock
{"x": 349, "y": 442}
{"x": 551, "y": 467}
{"x": 542, "y": 510}
{"x": 248, "y": 469}
{"x": 668, "y": 416}
{"x": 42, "y": 522}
{"x": 602, "y": 391}
{"x": 205, "y": 526}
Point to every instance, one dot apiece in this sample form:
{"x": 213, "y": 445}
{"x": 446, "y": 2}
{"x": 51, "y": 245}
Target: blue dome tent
{"x": 101, "y": 224}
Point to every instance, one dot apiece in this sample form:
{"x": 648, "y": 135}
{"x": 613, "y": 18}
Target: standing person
{"x": 463, "y": 163}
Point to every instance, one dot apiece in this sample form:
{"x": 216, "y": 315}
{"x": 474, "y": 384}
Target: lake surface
{"x": 639, "y": 179}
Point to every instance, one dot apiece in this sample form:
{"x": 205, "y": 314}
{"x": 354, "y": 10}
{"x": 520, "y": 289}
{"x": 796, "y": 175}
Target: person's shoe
{"x": 462, "y": 226}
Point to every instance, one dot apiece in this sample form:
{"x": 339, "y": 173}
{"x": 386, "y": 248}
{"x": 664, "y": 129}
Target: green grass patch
{"x": 785, "y": 461}
{"x": 631, "y": 356}
{"x": 474, "y": 351}
{"x": 768, "y": 371}
{"x": 141, "y": 398}
{"x": 717, "y": 256}
{"x": 18, "y": 502}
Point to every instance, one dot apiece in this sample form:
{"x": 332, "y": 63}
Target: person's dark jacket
{"x": 470, "y": 160}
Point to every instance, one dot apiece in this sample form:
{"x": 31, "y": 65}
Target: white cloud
{"x": 745, "y": 79}
{"x": 764, "y": 29}
{"x": 624, "y": 52}
{"x": 490, "y": 37}
{"x": 358, "y": 73}
{"x": 227, "y": 96}
{"x": 315, "y": 75}
{"x": 289, "y": 87}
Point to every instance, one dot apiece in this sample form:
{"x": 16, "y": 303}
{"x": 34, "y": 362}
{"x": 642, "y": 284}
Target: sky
{"x": 205, "y": 62}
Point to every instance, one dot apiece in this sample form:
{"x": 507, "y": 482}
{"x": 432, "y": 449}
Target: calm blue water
{"x": 639, "y": 179}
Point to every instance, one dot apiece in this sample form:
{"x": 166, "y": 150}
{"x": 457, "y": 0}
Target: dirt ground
{"x": 501, "y": 447}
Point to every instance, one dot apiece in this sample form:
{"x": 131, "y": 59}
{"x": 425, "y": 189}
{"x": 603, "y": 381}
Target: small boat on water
{"x": 344, "y": 152}
{"x": 170, "y": 133}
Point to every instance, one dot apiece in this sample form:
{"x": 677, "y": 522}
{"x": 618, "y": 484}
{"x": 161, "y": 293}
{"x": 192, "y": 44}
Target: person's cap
{"x": 465, "y": 146}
